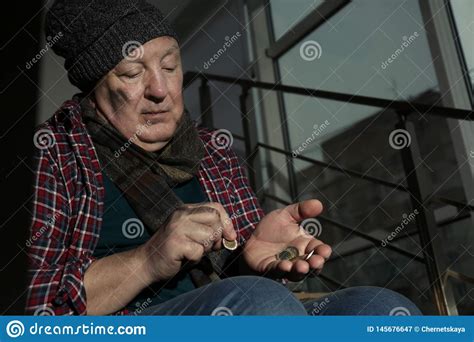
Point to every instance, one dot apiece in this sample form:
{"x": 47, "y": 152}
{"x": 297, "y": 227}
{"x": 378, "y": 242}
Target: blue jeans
{"x": 251, "y": 295}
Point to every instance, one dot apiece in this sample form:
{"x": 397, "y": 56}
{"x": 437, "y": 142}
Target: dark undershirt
{"x": 112, "y": 240}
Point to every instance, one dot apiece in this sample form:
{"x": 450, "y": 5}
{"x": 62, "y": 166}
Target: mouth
{"x": 161, "y": 112}
{"x": 155, "y": 116}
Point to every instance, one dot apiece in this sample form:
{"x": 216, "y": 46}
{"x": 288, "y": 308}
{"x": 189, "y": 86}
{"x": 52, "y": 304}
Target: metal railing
{"x": 418, "y": 186}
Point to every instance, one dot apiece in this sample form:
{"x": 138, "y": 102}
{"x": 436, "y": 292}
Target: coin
{"x": 289, "y": 253}
{"x": 309, "y": 255}
{"x": 230, "y": 244}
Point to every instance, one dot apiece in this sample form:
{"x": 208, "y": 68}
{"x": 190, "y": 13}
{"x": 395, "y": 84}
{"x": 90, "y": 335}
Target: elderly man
{"x": 132, "y": 198}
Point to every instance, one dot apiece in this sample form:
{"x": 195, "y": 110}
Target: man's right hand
{"x": 191, "y": 231}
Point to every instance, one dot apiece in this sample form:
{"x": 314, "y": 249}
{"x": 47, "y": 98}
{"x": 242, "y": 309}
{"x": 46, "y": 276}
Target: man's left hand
{"x": 279, "y": 230}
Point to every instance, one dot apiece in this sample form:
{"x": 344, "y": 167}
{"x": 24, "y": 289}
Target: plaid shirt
{"x": 69, "y": 201}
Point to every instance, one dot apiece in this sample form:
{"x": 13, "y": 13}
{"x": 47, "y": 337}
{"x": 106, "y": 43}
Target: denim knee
{"x": 369, "y": 300}
{"x": 253, "y": 295}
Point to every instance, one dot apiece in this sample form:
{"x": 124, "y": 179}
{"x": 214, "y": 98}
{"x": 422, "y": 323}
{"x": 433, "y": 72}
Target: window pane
{"x": 286, "y": 14}
{"x": 463, "y": 11}
{"x": 387, "y": 56}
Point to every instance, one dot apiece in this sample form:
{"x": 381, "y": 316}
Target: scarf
{"x": 146, "y": 178}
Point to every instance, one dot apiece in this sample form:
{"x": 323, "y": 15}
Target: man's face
{"x": 142, "y": 96}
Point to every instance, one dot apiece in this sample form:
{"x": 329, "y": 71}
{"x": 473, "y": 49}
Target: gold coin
{"x": 289, "y": 253}
{"x": 230, "y": 244}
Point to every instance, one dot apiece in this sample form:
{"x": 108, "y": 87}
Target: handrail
{"x": 400, "y": 187}
{"x": 405, "y": 107}
{"x": 364, "y": 236}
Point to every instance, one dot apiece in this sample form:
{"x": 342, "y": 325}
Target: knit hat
{"x": 97, "y": 34}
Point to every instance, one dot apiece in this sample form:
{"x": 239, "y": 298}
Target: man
{"x": 132, "y": 199}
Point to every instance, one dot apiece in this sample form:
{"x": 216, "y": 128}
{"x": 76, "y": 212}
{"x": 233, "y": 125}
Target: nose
{"x": 157, "y": 88}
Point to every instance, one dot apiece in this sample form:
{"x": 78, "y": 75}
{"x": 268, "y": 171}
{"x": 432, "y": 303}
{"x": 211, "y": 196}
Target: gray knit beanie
{"x": 97, "y": 34}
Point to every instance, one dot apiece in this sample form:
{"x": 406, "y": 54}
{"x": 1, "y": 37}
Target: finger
{"x": 303, "y": 210}
{"x": 316, "y": 262}
{"x": 278, "y": 268}
{"x": 202, "y": 213}
{"x": 209, "y": 216}
{"x": 193, "y": 251}
{"x": 299, "y": 270}
{"x": 313, "y": 245}
{"x": 229, "y": 232}
{"x": 325, "y": 251}
{"x": 284, "y": 266}
{"x": 225, "y": 222}
{"x": 203, "y": 234}
{"x": 320, "y": 248}
{"x": 300, "y": 267}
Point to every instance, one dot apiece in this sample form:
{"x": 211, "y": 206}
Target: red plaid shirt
{"x": 69, "y": 201}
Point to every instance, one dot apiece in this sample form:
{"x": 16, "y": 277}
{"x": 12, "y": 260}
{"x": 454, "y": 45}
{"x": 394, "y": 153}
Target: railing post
{"x": 250, "y": 141}
{"x": 420, "y": 188}
{"x": 293, "y": 185}
{"x": 206, "y": 104}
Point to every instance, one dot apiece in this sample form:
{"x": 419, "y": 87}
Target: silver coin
{"x": 309, "y": 255}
